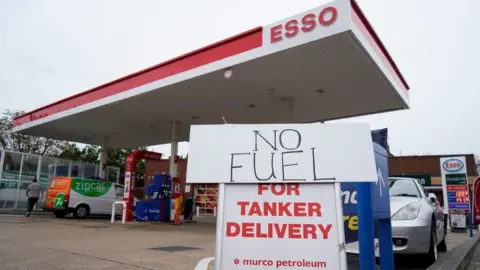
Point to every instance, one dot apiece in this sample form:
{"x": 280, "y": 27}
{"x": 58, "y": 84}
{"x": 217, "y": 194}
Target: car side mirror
{"x": 432, "y": 198}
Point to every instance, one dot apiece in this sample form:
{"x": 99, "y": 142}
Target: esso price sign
{"x": 453, "y": 165}
{"x": 305, "y": 24}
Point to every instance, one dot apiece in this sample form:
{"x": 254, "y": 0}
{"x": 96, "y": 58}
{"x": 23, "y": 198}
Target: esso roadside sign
{"x": 452, "y": 165}
{"x": 305, "y": 23}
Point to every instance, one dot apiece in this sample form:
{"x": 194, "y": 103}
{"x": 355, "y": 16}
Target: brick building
{"x": 427, "y": 167}
{"x": 424, "y": 168}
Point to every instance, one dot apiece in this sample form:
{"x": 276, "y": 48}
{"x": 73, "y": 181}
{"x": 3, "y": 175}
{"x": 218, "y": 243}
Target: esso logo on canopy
{"x": 452, "y": 165}
{"x": 306, "y": 24}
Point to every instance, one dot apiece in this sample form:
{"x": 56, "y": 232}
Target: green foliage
{"x": 26, "y": 143}
{"x": 18, "y": 142}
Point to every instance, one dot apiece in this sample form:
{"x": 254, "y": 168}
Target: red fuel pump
{"x": 129, "y": 183}
{"x": 176, "y": 200}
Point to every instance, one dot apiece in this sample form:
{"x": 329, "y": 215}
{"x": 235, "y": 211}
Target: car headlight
{"x": 408, "y": 212}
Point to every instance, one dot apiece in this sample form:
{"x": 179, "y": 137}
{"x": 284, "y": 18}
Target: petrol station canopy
{"x": 326, "y": 63}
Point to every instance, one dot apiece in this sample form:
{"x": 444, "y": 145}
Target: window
{"x": 11, "y": 166}
{"x": 119, "y": 191}
{"x": 29, "y": 168}
{"x": 404, "y": 187}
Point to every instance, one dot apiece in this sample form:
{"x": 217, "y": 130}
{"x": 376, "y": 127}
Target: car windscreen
{"x": 403, "y": 187}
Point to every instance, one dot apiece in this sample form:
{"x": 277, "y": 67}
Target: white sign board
{"x": 458, "y": 221}
{"x": 453, "y": 165}
{"x": 126, "y": 187}
{"x": 280, "y": 226}
{"x": 281, "y": 153}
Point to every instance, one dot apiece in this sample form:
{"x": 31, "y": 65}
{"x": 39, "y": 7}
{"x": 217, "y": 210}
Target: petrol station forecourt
{"x": 326, "y": 63}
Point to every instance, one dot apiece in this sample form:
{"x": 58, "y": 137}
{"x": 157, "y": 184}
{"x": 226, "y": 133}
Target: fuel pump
{"x": 176, "y": 201}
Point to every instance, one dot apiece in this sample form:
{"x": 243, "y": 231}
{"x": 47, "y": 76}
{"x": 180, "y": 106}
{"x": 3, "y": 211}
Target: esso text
{"x": 453, "y": 165}
{"x": 306, "y": 24}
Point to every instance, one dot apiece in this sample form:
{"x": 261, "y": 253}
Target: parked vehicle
{"x": 418, "y": 224}
{"x": 82, "y": 197}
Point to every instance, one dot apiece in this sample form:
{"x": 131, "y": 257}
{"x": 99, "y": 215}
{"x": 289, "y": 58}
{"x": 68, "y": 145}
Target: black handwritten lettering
{"x": 272, "y": 175}
{"x": 299, "y": 139}
{"x": 235, "y": 167}
{"x": 315, "y": 169}
{"x": 274, "y": 145}
{"x": 288, "y": 165}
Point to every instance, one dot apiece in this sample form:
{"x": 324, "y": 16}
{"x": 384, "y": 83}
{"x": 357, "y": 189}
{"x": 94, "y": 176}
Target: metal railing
{"x": 17, "y": 171}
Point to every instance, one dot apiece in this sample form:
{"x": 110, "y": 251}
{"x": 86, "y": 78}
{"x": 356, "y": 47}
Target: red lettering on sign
{"x": 310, "y": 230}
{"x": 233, "y": 229}
{"x": 280, "y": 231}
{"x": 325, "y": 230}
{"x": 308, "y": 23}
{"x": 243, "y": 206}
{"x": 276, "y": 33}
{"x": 291, "y": 28}
{"x": 314, "y": 208}
{"x": 275, "y": 230}
{"x": 255, "y": 210}
{"x": 280, "y": 189}
{"x": 283, "y": 209}
{"x": 294, "y": 231}
{"x": 300, "y": 209}
{"x": 324, "y": 20}
{"x": 248, "y": 229}
{"x": 274, "y": 209}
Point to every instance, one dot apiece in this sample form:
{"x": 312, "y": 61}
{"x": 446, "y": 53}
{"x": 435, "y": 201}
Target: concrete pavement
{"x": 43, "y": 242}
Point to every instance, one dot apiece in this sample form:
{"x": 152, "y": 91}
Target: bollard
{"x": 124, "y": 211}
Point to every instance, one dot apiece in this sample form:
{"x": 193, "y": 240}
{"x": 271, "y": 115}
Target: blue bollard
{"x": 366, "y": 237}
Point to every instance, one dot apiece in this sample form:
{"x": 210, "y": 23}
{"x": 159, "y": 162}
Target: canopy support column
{"x": 103, "y": 163}
{"x": 173, "y": 167}
{"x": 173, "y": 151}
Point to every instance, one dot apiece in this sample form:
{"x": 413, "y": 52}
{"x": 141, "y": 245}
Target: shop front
{"x": 428, "y": 171}
{"x": 17, "y": 170}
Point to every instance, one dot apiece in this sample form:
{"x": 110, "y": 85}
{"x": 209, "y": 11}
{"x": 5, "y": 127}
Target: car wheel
{"x": 432, "y": 255}
{"x": 82, "y": 211}
{"x": 442, "y": 247}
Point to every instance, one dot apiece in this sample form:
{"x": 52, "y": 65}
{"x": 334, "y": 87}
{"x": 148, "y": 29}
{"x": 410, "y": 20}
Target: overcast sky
{"x": 53, "y": 49}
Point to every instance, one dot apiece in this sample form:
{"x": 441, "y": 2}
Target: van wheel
{"x": 82, "y": 211}
{"x": 60, "y": 214}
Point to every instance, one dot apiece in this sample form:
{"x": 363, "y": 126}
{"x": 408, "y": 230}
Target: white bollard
{"x": 124, "y": 211}
{"x": 215, "y": 211}
{"x": 203, "y": 264}
{"x": 198, "y": 211}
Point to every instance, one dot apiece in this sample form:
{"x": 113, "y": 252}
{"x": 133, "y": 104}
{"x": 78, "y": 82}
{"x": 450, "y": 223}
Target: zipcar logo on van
{"x": 452, "y": 165}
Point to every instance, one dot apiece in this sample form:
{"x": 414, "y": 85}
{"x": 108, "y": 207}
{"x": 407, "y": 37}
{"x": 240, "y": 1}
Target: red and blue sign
{"x": 453, "y": 165}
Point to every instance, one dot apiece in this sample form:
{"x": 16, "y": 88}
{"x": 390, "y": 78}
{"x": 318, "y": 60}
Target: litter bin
{"x": 188, "y": 209}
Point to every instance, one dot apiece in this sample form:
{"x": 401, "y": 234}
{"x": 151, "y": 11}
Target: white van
{"x": 82, "y": 197}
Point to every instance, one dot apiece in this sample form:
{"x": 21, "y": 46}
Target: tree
{"x": 117, "y": 158}
{"x": 26, "y": 143}
{"x": 88, "y": 154}
{"x": 62, "y": 149}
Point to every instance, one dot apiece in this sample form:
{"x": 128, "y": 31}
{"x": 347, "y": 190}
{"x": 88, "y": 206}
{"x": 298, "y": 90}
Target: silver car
{"x": 418, "y": 224}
